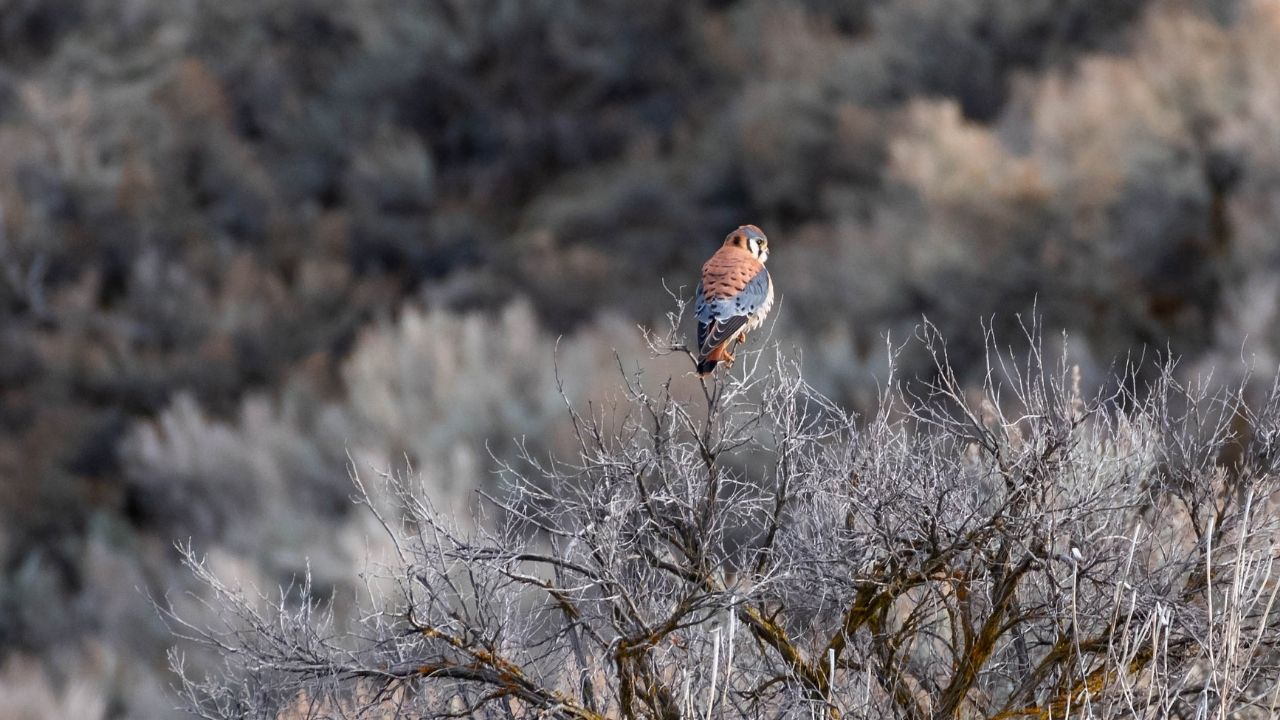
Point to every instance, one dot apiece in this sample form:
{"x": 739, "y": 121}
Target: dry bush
{"x": 1019, "y": 550}
{"x": 265, "y": 490}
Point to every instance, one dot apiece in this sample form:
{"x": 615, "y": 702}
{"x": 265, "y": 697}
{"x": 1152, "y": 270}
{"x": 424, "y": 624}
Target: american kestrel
{"x": 734, "y": 296}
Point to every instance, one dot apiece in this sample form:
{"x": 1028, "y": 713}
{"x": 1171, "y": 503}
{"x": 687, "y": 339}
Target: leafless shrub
{"x": 1016, "y": 551}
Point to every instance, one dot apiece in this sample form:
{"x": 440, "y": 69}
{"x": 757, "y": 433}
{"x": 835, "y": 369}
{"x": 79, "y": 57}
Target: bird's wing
{"x": 729, "y": 294}
{"x": 714, "y": 334}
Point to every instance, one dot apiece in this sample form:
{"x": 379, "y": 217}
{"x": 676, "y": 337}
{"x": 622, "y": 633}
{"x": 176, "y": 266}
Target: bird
{"x": 734, "y": 297}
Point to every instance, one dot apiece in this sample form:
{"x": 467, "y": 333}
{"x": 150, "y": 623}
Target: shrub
{"x": 1021, "y": 550}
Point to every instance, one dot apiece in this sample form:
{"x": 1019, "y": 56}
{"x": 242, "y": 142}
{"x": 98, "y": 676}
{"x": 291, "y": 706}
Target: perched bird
{"x": 734, "y": 296}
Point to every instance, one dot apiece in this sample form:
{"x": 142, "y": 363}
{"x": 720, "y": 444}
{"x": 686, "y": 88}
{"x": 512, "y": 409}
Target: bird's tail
{"x": 708, "y": 362}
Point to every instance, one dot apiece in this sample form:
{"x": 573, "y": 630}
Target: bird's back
{"x": 728, "y": 272}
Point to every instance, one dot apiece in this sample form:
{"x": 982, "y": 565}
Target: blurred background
{"x": 247, "y": 244}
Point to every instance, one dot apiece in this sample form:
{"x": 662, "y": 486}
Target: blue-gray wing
{"x": 720, "y": 318}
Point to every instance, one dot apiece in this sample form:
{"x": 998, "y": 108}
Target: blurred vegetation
{"x": 243, "y": 241}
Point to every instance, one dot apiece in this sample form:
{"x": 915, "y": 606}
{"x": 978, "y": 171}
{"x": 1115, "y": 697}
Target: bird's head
{"x": 751, "y": 239}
